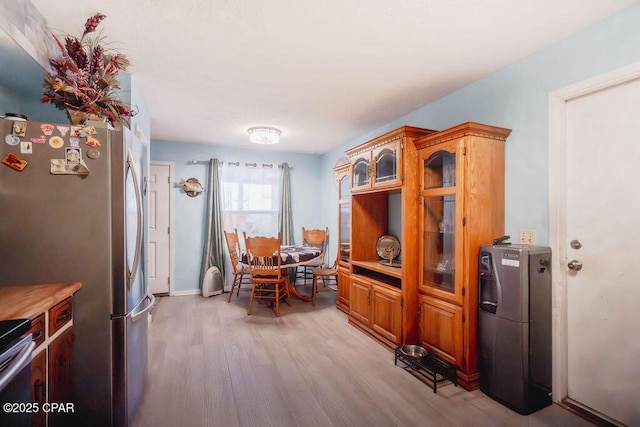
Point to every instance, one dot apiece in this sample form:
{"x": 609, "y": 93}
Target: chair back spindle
{"x": 240, "y": 271}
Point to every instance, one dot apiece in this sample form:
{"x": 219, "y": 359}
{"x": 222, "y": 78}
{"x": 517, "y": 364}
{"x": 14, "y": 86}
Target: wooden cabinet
{"x": 37, "y": 331}
{"x": 60, "y": 351}
{"x": 342, "y": 173}
{"x": 344, "y": 288}
{"x": 386, "y": 313}
{"x": 376, "y": 164}
{"x": 360, "y": 309}
{"x": 52, "y": 377}
{"x": 440, "y": 327}
{"x": 377, "y": 309}
{"x": 50, "y": 308}
{"x": 461, "y": 207}
{"x": 39, "y": 387}
{"x": 59, "y": 315}
{"x": 384, "y": 201}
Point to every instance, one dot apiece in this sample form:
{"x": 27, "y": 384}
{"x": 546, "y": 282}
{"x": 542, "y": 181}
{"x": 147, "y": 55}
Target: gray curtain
{"x": 285, "y": 217}
{"x": 214, "y": 244}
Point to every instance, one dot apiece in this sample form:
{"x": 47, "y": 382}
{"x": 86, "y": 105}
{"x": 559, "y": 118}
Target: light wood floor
{"x": 212, "y": 365}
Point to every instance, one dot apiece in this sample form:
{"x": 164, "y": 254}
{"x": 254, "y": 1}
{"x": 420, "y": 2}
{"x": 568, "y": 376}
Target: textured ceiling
{"x": 324, "y": 72}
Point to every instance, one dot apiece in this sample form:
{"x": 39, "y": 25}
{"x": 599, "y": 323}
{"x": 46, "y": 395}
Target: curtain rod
{"x": 246, "y": 164}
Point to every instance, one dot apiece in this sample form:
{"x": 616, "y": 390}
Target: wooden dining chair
{"x": 324, "y": 274}
{"x": 316, "y": 238}
{"x": 268, "y": 279}
{"x": 241, "y": 275}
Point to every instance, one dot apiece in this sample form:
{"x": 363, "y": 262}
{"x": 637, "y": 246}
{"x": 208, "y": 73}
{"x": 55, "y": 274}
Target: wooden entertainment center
{"x": 441, "y": 194}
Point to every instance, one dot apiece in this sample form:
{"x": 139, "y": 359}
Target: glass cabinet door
{"x": 344, "y": 188}
{"x": 387, "y": 164}
{"x": 441, "y": 246}
{"x": 439, "y": 242}
{"x": 344, "y": 218}
{"x": 345, "y": 232}
{"x": 440, "y": 170}
{"x": 360, "y": 171}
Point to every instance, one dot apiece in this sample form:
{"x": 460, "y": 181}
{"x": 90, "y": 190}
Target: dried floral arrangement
{"x": 85, "y": 81}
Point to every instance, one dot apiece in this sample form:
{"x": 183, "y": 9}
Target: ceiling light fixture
{"x": 264, "y": 135}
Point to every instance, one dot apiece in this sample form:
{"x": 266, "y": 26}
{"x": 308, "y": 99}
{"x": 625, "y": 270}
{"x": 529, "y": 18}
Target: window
{"x": 250, "y": 199}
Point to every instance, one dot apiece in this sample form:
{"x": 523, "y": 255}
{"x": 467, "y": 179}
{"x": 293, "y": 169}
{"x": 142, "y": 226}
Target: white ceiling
{"x": 324, "y": 72}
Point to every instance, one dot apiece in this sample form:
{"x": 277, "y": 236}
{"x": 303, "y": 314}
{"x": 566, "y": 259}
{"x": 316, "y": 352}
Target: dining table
{"x": 292, "y": 256}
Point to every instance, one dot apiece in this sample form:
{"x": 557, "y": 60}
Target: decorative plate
{"x": 388, "y": 247}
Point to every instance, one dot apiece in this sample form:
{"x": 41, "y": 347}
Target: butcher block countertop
{"x": 29, "y": 301}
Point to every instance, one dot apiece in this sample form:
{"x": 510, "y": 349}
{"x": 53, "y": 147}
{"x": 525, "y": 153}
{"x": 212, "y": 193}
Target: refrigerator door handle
{"x": 131, "y": 275}
{"x": 152, "y": 300}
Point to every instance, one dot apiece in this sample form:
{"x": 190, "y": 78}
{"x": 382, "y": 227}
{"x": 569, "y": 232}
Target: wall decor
{"x": 84, "y": 80}
{"x": 192, "y": 187}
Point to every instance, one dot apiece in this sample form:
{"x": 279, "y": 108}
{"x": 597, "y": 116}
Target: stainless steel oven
{"x": 15, "y": 375}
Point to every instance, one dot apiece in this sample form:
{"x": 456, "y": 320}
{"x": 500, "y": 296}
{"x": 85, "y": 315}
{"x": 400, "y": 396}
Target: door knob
{"x": 575, "y": 265}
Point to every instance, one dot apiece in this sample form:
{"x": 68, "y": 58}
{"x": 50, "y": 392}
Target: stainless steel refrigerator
{"x": 76, "y": 212}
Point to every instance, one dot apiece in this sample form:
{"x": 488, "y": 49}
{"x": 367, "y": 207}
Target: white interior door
{"x": 603, "y": 215}
{"x": 160, "y": 228}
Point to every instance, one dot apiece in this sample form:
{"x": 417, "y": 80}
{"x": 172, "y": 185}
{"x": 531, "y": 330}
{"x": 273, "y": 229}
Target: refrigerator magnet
{"x": 14, "y": 162}
{"x": 76, "y": 131}
{"x": 39, "y": 140}
{"x": 19, "y": 128}
{"x": 57, "y": 167}
{"x": 62, "y": 129}
{"x": 56, "y": 142}
{"x": 12, "y": 139}
{"x": 92, "y": 142}
{"x": 26, "y": 147}
{"x": 93, "y": 153}
{"x": 47, "y": 128}
{"x": 90, "y": 130}
{"x": 74, "y": 142}
{"x": 72, "y": 155}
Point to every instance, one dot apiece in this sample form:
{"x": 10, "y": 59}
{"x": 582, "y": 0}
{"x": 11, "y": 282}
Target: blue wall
{"x": 516, "y": 97}
{"x": 190, "y": 212}
{"x": 15, "y": 101}
{"x": 130, "y": 95}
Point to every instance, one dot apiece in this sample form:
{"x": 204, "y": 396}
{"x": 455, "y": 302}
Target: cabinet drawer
{"x": 59, "y": 315}
{"x": 37, "y": 330}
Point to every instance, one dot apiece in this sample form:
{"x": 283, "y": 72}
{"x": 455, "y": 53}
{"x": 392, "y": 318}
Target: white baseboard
{"x": 188, "y": 292}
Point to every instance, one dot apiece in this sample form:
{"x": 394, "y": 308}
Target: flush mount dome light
{"x": 264, "y": 135}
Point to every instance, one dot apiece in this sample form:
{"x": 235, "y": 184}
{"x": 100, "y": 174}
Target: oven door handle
{"x": 19, "y": 362}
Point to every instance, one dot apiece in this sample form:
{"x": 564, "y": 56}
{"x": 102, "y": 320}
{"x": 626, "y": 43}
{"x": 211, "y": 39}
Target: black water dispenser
{"x": 514, "y": 325}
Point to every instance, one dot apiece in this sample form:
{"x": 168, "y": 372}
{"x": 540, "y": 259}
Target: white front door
{"x": 160, "y": 228}
{"x": 599, "y": 256}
